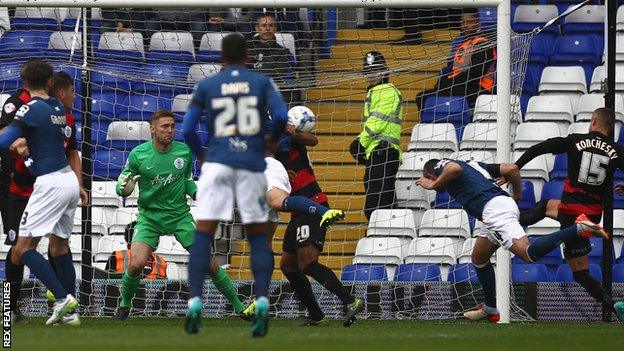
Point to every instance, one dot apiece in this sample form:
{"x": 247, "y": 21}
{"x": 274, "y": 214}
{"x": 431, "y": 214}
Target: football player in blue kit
{"x": 235, "y": 103}
{"x": 51, "y": 207}
{"x": 473, "y": 184}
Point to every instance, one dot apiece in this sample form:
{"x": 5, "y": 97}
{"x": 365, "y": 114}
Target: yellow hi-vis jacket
{"x": 383, "y": 117}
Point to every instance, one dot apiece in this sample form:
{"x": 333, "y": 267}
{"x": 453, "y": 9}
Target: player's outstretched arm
{"x": 8, "y": 136}
{"x": 549, "y": 146}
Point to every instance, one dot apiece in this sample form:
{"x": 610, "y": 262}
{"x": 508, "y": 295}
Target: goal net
{"x": 411, "y": 261}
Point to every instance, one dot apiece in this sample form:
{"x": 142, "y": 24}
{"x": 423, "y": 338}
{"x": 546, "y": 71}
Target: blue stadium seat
{"x": 24, "y": 44}
{"x": 618, "y": 273}
{"x": 141, "y": 107}
{"x": 595, "y": 255}
{"x": 596, "y": 27}
{"x": 618, "y": 176}
{"x": 532, "y": 79}
{"x": 552, "y": 260}
{"x": 552, "y": 190}
{"x": 108, "y": 77}
{"x": 108, "y": 164}
{"x": 161, "y": 79}
{"x": 487, "y": 16}
{"x": 444, "y": 200}
{"x": 363, "y": 272}
{"x": 560, "y": 169}
{"x": 618, "y": 201}
{"x": 528, "y": 23}
{"x": 563, "y": 5}
{"x": 528, "y": 196}
{"x": 107, "y": 104}
{"x": 99, "y": 128}
{"x": 446, "y": 109}
{"x": 463, "y": 272}
{"x": 577, "y": 50}
{"x": 417, "y": 272}
{"x": 564, "y": 273}
{"x": 540, "y": 51}
{"x": 9, "y": 76}
{"x": 529, "y": 273}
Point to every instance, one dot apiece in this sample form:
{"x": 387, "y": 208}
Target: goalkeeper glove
{"x": 128, "y": 182}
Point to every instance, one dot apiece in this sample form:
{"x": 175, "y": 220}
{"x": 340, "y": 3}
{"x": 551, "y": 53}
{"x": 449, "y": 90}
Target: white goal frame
{"x": 503, "y": 69}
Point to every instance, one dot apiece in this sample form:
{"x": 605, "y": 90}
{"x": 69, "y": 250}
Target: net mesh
{"x": 143, "y": 60}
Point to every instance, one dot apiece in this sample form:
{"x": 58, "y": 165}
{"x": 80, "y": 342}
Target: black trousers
{"x": 379, "y": 177}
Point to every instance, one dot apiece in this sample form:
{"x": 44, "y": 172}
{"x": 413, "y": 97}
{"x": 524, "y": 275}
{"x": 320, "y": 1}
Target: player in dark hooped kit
{"x": 592, "y": 160}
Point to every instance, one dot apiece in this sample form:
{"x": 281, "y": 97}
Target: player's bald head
{"x": 234, "y": 49}
{"x": 602, "y": 119}
{"x": 36, "y": 74}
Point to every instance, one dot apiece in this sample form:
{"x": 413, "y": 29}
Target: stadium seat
{"x": 528, "y": 196}
{"x": 210, "y": 47}
{"x": 540, "y": 51}
{"x": 618, "y": 273}
{"x": 104, "y": 194}
{"x": 107, "y": 245}
{"x": 538, "y": 168}
{"x": 160, "y": 78}
{"x": 171, "y": 250}
{"x": 618, "y": 201}
{"x": 413, "y": 163}
{"x": 577, "y": 50}
{"x": 551, "y": 261}
{"x": 600, "y": 74}
{"x": 474, "y": 155}
{"x": 618, "y": 233}
{"x": 9, "y": 76}
{"x": 24, "y": 44}
{"x": 532, "y": 78}
{"x": 486, "y": 107}
{"x": 108, "y": 164}
{"x": 446, "y": 109}
{"x": 563, "y": 79}
{"x": 528, "y": 17}
{"x": 122, "y": 46}
{"x": 552, "y": 190}
{"x": 544, "y": 227}
{"x": 583, "y": 128}
{"x": 445, "y": 223}
{"x": 108, "y": 104}
{"x": 595, "y": 255}
{"x": 529, "y": 134}
{"x": 381, "y": 250}
{"x": 564, "y": 273}
{"x": 363, "y": 272}
{"x": 588, "y": 103}
{"x": 479, "y": 136}
{"x": 529, "y": 273}
{"x": 445, "y": 201}
{"x": 465, "y": 254}
{"x": 395, "y": 222}
{"x": 107, "y": 77}
{"x": 547, "y": 108}
{"x": 179, "y": 105}
{"x": 61, "y": 45}
{"x": 287, "y": 40}
{"x": 560, "y": 169}
{"x": 487, "y": 16}
{"x": 141, "y": 107}
{"x": 588, "y": 19}
{"x": 429, "y": 137}
{"x": 121, "y": 218}
{"x": 620, "y": 19}
{"x": 409, "y": 195}
{"x": 173, "y": 47}
{"x": 463, "y": 272}
{"x": 4, "y": 98}
{"x": 198, "y": 72}
{"x": 99, "y": 221}
{"x": 126, "y": 135}
{"x": 433, "y": 251}
{"x": 46, "y": 18}
{"x": 417, "y": 272}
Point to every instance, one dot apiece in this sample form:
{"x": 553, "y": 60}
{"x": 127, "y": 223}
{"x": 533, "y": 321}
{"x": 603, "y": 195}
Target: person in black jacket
{"x": 266, "y": 55}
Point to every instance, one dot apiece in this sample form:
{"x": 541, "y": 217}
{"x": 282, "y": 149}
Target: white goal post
{"x": 503, "y": 42}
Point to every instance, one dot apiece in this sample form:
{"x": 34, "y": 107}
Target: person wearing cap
{"x": 378, "y": 145}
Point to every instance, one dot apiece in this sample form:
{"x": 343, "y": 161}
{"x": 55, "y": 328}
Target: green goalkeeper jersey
{"x": 165, "y": 180}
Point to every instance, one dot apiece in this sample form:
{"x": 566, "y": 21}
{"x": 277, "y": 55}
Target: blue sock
{"x": 261, "y": 263}
{"x": 545, "y": 244}
{"x": 488, "y": 283}
{"x": 66, "y": 273}
{"x": 199, "y": 262}
{"x": 303, "y": 205}
{"x": 43, "y": 271}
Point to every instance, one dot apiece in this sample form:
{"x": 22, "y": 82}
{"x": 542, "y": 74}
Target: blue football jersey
{"x": 43, "y": 124}
{"x": 236, "y": 102}
{"x": 473, "y": 188}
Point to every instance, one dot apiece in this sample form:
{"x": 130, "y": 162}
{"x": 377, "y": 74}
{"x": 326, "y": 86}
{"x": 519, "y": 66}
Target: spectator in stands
{"x": 231, "y": 19}
{"x": 266, "y": 55}
{"x": 5, "y": 22}
{"x": 472, "y": 70}
{"x": 288, "y": 21}
{"x": 184, "y": 19}
{"x": 122, "y": 19}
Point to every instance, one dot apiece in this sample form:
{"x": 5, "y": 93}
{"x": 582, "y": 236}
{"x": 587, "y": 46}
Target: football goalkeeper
{"x": 162, "y": 168}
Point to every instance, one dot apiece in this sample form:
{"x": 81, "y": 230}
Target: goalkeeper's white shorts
{"x": 500, "y": 222}
{"x": 277, "y": 177}
{"x": 52, "y": 205}
{"x": 220, "y": 185}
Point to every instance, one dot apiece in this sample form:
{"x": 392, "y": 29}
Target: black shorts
{"x": 304, "y": 230}
{"x": 578, "y": 246}
{"x": 17, "y": 205}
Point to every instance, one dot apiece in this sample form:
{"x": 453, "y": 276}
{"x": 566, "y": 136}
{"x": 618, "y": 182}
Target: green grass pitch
{"x": 285, "y": 335}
